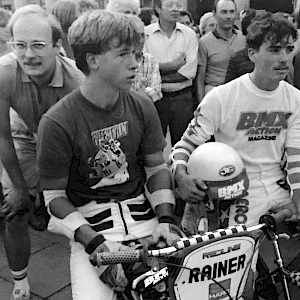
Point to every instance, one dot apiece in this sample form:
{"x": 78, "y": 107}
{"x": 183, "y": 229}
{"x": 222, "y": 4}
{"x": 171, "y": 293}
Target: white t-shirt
{"x": 258, "y": 124}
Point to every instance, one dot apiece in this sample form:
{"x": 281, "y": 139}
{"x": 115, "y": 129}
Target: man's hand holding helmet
{"x": 190, "y": 188}
{"x": 214, "y": 168}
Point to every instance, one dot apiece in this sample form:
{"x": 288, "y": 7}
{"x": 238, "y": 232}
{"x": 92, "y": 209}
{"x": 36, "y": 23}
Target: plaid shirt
{"x": 148, "y": 77}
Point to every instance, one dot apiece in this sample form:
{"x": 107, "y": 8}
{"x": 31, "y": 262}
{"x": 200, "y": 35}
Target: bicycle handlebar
{"x": 266, "y": 221}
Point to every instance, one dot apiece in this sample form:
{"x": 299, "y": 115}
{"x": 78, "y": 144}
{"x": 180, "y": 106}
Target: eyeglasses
{"x": 38, "y": 48}
{"x": 173, "y": 6}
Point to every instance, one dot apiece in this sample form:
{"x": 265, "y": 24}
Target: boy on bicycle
{"x": 100, "y": 157}
{"x": 258, "y": 114}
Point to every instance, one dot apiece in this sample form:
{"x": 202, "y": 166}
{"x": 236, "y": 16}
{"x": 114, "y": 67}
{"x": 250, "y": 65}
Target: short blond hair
{"x": 203, "y": 21}
{"x": 94, "y": 31}
{"x": 114, "y": 5}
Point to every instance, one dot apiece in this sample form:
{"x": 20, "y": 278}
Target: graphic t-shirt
{"x": 258, "y": 124}
{"x": 97, "y": 154}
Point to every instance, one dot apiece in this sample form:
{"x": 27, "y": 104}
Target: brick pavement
{"x": 48, "y": 268}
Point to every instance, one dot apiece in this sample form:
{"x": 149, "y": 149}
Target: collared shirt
{"x": 26, "y": 98}
{"x": 164, "y": 49}
{"x": 148, "y": 77}
{"x": 215, "y": 53}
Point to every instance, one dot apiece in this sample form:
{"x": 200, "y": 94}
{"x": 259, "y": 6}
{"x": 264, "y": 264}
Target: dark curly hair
{"x": 269, "y": 27}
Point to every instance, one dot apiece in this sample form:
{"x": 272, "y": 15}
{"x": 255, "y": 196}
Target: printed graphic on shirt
{"x": 263, "y": 125}
{"x": 109, "y": 165}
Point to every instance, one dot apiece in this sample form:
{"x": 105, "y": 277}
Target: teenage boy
{"x": 100, "y": 157}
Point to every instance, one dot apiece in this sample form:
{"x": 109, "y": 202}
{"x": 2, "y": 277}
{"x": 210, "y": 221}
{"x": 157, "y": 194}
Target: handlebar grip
{"x": 272, "y": 220}
{"x": 129, "y": 256}
{"x": 282, "y": 215}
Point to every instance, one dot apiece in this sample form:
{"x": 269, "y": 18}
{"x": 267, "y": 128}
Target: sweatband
{"x": 176, "y": 163}
{"x": 293, "y": 158}
{"x": 50, "y": 195}
{"x": 68, "y": 225}
{"x": 179, "y": 150}
{"x": 293, "y": 170}
{"x": 153, "y": 170}
{"x": 167, "y": 219}
{"x": 159, "y": 197}
{"x": 94, "y": 243}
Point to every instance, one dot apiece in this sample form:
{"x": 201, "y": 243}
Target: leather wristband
{"x": 94, "y": 243}
{"x": 167, "y": 219}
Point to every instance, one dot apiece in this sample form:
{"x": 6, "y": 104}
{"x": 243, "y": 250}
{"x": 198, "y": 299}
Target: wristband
{"x": 167, "y": 219}
{"x": 159, "y": 197}
{"x": 94, "y": 243}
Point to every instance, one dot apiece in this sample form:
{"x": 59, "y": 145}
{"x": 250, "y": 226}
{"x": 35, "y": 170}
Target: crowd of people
{"x": 86, "y": 100}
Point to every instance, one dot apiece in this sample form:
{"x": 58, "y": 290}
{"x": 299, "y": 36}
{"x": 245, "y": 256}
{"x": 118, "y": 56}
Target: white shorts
{"x": 264, "y": 194}
{"x": 85, "y": 277}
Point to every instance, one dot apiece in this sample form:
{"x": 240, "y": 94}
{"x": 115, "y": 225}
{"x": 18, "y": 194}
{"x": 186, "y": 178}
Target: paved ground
{"x": 48, "y": 268}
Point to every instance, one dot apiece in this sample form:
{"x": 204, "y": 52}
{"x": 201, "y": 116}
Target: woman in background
{"x": 207, "y": 23}
{"x": 66, "y": 12}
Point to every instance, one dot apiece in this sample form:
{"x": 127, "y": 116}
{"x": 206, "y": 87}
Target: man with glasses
{"x": 175, "y": 47}
{"x": 32, "y": 78}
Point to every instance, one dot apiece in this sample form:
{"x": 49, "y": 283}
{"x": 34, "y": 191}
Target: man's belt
{"x": 177, "y": 93}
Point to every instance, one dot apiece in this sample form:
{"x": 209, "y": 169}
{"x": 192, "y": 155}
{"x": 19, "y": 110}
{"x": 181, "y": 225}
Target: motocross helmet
{"x": 221, "y": 168}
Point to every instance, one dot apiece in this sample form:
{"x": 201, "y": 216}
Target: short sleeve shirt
{"x": 26, "y": 98}
{"x": 100, "y": 151}
{"x": 215, "y": 53}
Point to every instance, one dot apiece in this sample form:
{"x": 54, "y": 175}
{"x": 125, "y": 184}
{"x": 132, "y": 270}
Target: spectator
{"x": 240, "y": 62}
{"x": 216, "y": 48}
{"x": 87, "y": 5}
{"x": 4, "y": 49}
{"x": 186, "y": 19}
{"x": 207, "y": 23}
{"x": 246, "y": 19}
{"x": 66, "y": 12}
{"x": 174, "y": 46}
{"x": 130, "y": 7}
{"x": 32, "y": 79}
{"x": 296, "y": 60}
{"x": 147, "y": 79}
{"x": 106, "y": 184}
{"x": 4, "y": 32}
{"x": 147, "y": 16}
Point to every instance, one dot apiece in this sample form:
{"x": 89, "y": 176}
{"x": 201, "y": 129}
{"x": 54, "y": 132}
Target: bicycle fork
{"x": 279, "y": 262}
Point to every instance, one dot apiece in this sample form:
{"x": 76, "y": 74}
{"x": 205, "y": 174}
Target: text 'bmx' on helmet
{"x": 222, "y": 170}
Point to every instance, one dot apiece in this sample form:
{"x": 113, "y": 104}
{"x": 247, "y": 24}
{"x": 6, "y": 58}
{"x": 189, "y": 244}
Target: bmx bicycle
{"x": 215, "y": 265}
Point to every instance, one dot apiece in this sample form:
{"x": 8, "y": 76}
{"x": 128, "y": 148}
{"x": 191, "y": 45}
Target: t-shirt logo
{"x": 109, "y": 164}
{"x": 263, "y": 125}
